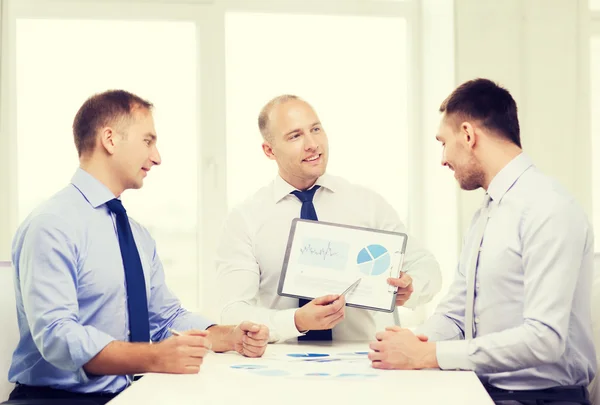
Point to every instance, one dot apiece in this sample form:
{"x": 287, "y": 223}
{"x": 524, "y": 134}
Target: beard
{"x": 470, "y": 177}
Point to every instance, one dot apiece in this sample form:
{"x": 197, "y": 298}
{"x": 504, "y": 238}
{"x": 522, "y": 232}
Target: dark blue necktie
{"x": 137, "y": 302}
{"x": 308, "y": 212}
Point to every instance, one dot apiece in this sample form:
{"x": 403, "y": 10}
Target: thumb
{"x": 326, "y": 299}
{"x": 248, "y": 326}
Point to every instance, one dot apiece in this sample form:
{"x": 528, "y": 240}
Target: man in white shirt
{"x": 251, "y": 251}
{"x": 518, "y": 311}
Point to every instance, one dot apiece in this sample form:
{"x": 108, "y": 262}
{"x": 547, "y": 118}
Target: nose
{"x": 310, "y": 142}
{"x": 444, "y": 160}
{"x": 155, "y": 156}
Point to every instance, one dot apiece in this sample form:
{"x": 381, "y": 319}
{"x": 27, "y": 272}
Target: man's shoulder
{"x": 63, "y": 207}
{"x": 544, "y": 195}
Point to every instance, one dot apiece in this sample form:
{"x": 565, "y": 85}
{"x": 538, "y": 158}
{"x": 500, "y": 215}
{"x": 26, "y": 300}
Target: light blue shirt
{"x": 70, "y": 290}
{"x": 532, "y": 307}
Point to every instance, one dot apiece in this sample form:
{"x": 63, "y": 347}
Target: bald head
{"x": 264, "y": 117}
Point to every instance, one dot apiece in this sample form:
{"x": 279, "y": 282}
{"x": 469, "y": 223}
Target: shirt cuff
{"x": 284, "y": 326}
{"x": 83, "y": 350}
{"x": 454, "y": 355}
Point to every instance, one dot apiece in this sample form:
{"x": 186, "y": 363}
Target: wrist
{"x": 152, "y": 357}
{"x": 430, "y": 358}
{"x": 299, "y": 322}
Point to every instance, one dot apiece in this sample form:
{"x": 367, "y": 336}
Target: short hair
{"x": 112, "y": 107}
{"x": 263, "y": 117}
{"x": 488, "y": 102}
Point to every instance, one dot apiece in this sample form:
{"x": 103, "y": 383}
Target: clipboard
{"x": 325, "y": 258}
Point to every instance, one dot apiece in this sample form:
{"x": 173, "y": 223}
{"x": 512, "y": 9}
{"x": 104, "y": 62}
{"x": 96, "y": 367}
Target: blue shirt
{"x": 533, "y": 283}
{"x": 70, "y": 290}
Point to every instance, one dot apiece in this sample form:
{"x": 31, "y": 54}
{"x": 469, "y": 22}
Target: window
{"x": 354, "y": 72}
{"x": 62, "y": 62}
{"x": 595, "y": 127}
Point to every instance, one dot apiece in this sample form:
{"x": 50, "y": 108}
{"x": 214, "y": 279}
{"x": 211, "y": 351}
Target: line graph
{"x": 323, "y": 253}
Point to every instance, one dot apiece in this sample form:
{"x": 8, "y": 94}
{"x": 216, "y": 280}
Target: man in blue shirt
{"x": 518, "y": 311}
{"x": 92, "y": 304}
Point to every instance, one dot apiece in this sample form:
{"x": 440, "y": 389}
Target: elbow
{"x": 548, "y": 344}
{"x": 56, "y": 347}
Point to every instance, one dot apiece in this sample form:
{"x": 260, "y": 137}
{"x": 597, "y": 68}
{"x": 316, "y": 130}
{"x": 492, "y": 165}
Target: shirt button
{"x": 476, "y": 319}
{"x": 477, "y": 285}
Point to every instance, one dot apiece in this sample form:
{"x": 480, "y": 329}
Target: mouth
{"x": 313, "y": 158}
{"x": 145, "y": 171}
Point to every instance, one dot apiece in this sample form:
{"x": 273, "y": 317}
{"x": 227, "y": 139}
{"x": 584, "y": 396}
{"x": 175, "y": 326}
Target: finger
{"x": 191, "y": 369}
{"x": 248, "y": 326}
{"x": 377, "y": 346}
{"x": 334, "y": 320}
{"x": 394, "y": 328}
{"x": 423, "y": 338}
{"x": 379, "y": 335}
{"x": 197, "y": 352}
{"x": 195, "y": 341}
{"x": 381, "y": 365}
{"x": 377, "y": 356}
{"x": 246, "y": 340}
{"x": 402, "y": 282}
{"x": 263, "y": 333}
{"x": 335, "y": 308}
{"x": 325, "y": 300}
{"x": 250, "y": 351}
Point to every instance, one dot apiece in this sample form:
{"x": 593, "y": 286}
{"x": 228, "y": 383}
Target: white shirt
{"x": 252, "y": 248}
{"x": 532, "y": 289}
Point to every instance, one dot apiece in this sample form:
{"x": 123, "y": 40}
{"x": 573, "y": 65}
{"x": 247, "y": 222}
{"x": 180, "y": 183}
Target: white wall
{"x": 537, "y": 49}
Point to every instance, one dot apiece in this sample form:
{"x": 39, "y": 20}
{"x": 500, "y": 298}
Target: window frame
{"x": 209, "y": 17}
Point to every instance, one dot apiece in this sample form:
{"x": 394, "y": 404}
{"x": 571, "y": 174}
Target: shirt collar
{"x": 282, "y": 188}
{"x": 508, "y": 176}
{"x": 93, "y": 190}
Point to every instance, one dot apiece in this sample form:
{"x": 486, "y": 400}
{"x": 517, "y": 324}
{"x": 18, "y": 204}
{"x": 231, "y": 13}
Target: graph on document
{"x": 324, "y": 253}
{"x": 373, "y": 260}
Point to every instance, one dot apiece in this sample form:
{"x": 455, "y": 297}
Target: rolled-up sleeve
{"x": 48, "y": 282}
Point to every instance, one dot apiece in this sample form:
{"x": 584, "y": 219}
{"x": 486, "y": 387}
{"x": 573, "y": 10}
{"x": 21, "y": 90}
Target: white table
{"x": 219, "y": 383}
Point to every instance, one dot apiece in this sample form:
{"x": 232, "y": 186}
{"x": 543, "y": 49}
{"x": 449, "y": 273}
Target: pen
{"x": 356, "y": 283}
{"x": 174, "y": 332}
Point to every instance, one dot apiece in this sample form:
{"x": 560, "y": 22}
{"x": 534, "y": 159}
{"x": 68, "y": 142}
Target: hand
{"x": 405, "y": 288}
{"x": 250, "y": 339}
{"x": 181, "y": 354}
{"x": 321, "y": 313}
{"x": 399, "y": 348}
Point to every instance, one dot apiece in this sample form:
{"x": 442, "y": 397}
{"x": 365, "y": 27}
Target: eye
{"x": 316, "y": 129}
{"x": 148, "y": 141}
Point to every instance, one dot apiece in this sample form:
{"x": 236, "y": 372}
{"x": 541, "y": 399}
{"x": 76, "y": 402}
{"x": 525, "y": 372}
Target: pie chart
{"x": 373, "y": 260}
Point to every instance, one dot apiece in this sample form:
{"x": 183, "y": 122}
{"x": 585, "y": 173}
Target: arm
{"x": 419, "y": 263}
{"x": 447, "y": 322}
{"x": 238, "y": 280}
{"x": 554, "y": 242}
{"x": 47, "y": 266}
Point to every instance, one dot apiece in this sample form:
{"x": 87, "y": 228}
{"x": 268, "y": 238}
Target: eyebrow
{"x": 299, "y": 130}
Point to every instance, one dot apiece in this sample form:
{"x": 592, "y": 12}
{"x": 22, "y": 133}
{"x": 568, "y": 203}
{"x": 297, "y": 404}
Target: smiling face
{"x": 457, "y": 154}
{"x": 297, "y": 142}
{"x": 135, "y": 151}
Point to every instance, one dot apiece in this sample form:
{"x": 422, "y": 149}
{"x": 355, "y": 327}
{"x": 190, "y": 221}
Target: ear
{"x": 268, "y": 150}
{"x": 108, "y": 139}
{"x": 467, "y": 131}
